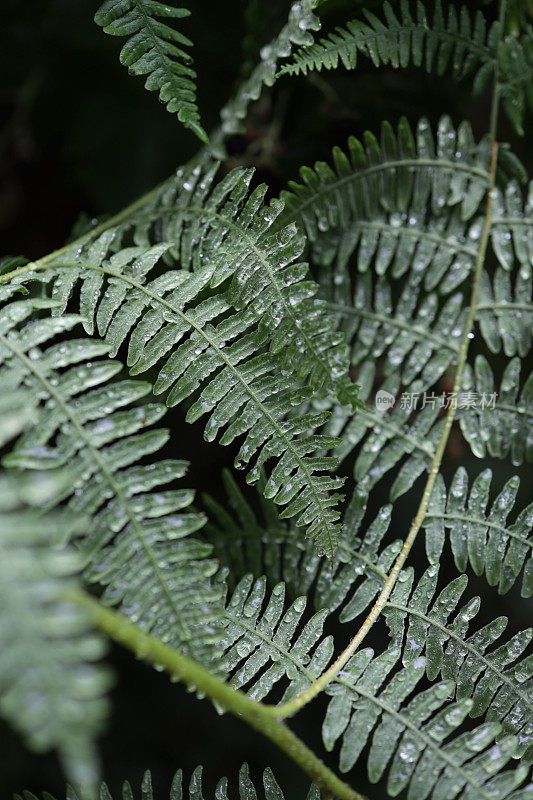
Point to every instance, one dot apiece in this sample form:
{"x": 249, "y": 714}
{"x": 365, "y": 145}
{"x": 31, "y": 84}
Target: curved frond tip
{"x": 155, "y": 49}
{"x": 463, "y": 42}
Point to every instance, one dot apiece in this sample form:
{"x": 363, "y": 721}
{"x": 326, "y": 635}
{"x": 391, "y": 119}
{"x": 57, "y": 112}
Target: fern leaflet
{"x": 419, "y": 338}
{"x": 404, "y": 172}
{"x": 156, "y": 50}
{"x": 487, "y": 541}
{"x": 410, "y": 734}
{"x": 456, "y": 41}
{"x": 139, "y": 545}
{"x": 502, "y": 421}
{"x": 229, "y": 364}
{"x": 194, "y": 790}
{"x": 297, "y": 31}
{"x": 261, "y": 650}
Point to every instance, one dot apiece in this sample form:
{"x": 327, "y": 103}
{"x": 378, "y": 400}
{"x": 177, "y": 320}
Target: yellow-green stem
{"x": 145, "y": 646}
{"x": 292, "y": 706}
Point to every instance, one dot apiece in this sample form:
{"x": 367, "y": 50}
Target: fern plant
{"x": 357, "y": 343}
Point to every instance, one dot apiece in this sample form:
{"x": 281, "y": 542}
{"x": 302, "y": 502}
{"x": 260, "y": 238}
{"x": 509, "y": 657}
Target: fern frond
{"x": 417, "y": 358}
{"x": 385, "y": 438}
{"x": 297, "y": 31}
{"x": 230, "y": 363}
{"x": 226, "y": 229}
{"x": 484, "y": 539}
{"x": 232, "y": 229}
{"x": 261, "y": 646}
{"x": 420, "y": 619}
{"x": 138, "y": 544}
{"x": 498, "y": 422}
{"x": 155, "y": 49}
{"x": 276, "y": 550}
{"x": 405, "y": 171}
{"x": 502, "y": 421}
{"x": 437, "y": 252}
{"x": 499, "y": 680}
{"x": 194, "y": 790}
{"x": 505, "y": 313}
{"x": 417, "y": 340}
{"x": 369, "y": 706}
{"x": 405, "y": 333}
{"x": 512, "y": 227}
{"x": 269, "y": 642}
{"x": 459, "y": 41}
{"x": 246, "y": 543}
{"x": 516, "y": 63}
{"x": 16, "y": 412}
{"x": 51, "y": 690}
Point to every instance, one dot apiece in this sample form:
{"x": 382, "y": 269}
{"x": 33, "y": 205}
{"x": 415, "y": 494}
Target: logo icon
{"x": 384, "y": 400}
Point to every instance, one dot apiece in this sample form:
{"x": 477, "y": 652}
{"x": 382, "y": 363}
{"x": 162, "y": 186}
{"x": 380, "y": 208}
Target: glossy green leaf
{"x": 500, "y": 421}
{"x": 193, "y": 789}
{"x": 445, "y": 38}
{"x": 483, "y": 536}
{"x": 155, "y": 49}
{"x": 139, "y": 544}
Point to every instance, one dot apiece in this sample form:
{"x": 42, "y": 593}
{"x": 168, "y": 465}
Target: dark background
{"x": 80, "y": 139}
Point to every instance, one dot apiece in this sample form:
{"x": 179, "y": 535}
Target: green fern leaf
{"x": 416, "y": 340}
{"x": 138, "y": 545}
{"x": 16, "y": 412}
{"x": 230, "y": 228}
{"x": 384, "y": 439}
{"x": 261, "y": 646}
{"x": 502, "y": 421}
{"x": 485, "y": 540}
{"x": 499, "y": 683}
{"x": 156, "y": 50}
{"x": 194, "y": 791}
{"x": 230, "y": 363}
{"x": 278, "y": 552}
{"x": 410, "y": 735}
{"x": 458, "y": 41}
{"x": 516, "y": 63}
{"x": 227, "y": 230}
{"x": 438, "y": 252}
{"x": 245, "y": 543}
{"x": 512, "y": 227}
{"x": 498, "y": 680}
{"x": 269, "y": 642}
{"x": 297, "y": 31}
{"x": 271, "y": 548}
{"x": 505, "y": 313}
{"x": 405, "y": 172}
{"x": 51, "y": 690}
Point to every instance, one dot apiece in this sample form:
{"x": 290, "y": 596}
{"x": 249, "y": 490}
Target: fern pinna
{"x": 357, "y": 343}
